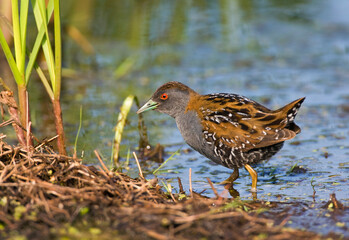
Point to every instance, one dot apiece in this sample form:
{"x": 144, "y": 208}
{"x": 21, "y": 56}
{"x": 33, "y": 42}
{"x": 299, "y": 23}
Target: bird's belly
{"x": 233, "y": 158}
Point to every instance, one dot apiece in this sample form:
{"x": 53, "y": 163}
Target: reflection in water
{"x": 232, "y": 191}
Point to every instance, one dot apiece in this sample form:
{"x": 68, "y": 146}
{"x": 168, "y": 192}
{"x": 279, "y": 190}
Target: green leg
{"x": 254, "y": 176}
{"x": 232, "y": 177}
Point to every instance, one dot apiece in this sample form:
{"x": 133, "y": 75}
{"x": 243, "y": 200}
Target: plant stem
{"x": 6, "y": 98}
{"x": 56, "y": 82}
{"x": 59, "y": 126}
{"x": 22, "y": 99}
{"x": 24, "y": 110}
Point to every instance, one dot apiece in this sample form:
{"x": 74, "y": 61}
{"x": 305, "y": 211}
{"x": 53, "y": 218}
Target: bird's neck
{"x": 190, "y": 128}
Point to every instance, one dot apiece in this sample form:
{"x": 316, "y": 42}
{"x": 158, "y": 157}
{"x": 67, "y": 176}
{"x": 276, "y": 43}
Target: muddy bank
{"x": 45, "y": 195}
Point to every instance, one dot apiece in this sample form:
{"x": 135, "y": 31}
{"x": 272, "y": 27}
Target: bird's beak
{"x": 150, "y": 105}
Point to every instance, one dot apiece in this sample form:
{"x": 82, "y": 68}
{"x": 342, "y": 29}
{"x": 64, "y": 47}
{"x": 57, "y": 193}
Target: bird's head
{"x": 171, "y": 98}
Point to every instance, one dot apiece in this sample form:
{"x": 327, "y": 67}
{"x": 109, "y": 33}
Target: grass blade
{"x": 58, "y": 50}
{"x": 10, "y": 59}
{"x": 124, "y": 110}
{"x": 17, "y": 35}
{"x": 125, "y": 67}
{"x": 37, "y": 44}
{"x": 44, "y": 81}
{"x": 163, "y": 164}
{"x": 41, "y": 20}
{"x": 23, "y": 31}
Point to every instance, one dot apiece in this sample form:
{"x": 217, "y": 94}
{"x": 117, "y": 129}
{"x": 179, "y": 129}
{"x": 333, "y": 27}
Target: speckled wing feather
{"x": 243, "y": 124}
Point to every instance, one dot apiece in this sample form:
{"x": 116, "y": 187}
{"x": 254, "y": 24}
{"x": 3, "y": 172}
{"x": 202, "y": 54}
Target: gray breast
{"x": 190, "y": 127}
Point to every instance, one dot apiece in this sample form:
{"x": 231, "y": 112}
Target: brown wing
{"x": 243, "y": 124}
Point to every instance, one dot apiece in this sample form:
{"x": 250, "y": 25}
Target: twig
{"x": 138, "y": 165}
{"x": 142, "y": 129}
{"x": 102, "y": 171}
{"x": 7, "y": 152}
{"x": 182, "y": 227}
{"x": 205, "y": 215}
{"x": 213, "y": 188}
{"x": 181, "y": 190}
{"x": 190, "y": 184}
{"x": 29, "y": 124}
{"x": 173, "y": 198}
{"x": 283, "y": 222}
{"x": 8, "y": 122}
{"x": 6, "y": 98}
{"x": 45, "y": 142}
{"x": 313, "y": 186}
{"x": 44, "y": 202}
{"x": 101, "y": 161}
{"x": 154, "y": 234}
{"x": 169, "y": 190}
{"x": 4, "y": 171}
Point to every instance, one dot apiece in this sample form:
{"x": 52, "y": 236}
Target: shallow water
{"x": 271, "y": 51}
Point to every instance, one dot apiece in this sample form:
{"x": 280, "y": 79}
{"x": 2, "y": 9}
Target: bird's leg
{"x": 232, "y": 177}
{"x": 254, "y": 176}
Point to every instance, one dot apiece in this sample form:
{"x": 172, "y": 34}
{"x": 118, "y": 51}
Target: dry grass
{"x": 42, "y": 194}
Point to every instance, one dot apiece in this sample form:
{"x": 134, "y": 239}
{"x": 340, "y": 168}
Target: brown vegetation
{"x": 43, "y": 194}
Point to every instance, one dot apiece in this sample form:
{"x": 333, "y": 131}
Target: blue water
{"x": 271, "y": 51}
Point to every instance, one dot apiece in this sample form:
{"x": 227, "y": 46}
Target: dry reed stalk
{"x": 213, "y": 188}
{"x": 190, "y": 184}
{"x": 6, "y": 98}
{"x": 180, "y": 185}
{"x": 139, "y": 166}
{"x": 101, "y": 161}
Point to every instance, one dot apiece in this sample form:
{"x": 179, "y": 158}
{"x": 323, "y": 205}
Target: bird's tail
{"x": 290, "y": 111}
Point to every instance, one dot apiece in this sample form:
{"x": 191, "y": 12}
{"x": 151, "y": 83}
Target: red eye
{"x": 164, "y": 96}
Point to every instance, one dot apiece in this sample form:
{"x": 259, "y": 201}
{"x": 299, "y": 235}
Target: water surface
{"x": 271, "y": 51}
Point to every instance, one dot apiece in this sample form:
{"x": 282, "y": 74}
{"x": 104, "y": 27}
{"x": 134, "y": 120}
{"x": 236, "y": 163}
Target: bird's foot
{"x": 231, "y": 178}
{"x": 226, "y": 182}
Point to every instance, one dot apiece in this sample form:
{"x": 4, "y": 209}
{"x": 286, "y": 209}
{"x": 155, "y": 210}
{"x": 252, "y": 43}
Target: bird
{"x": 229, "y": 129}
